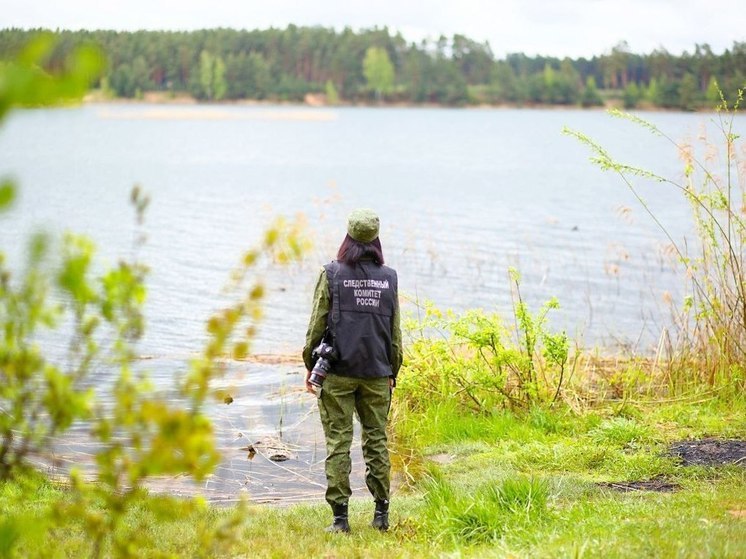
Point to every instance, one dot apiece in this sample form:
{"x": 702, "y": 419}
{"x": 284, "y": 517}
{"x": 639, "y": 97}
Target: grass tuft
{"x": 519, "y": 495}
{"x": 621, "y": 432}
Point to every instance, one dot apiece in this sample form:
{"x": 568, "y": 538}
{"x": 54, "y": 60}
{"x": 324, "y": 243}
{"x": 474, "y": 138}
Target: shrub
{"x": 706, "y": 346}
{"x": 483, "y": 363}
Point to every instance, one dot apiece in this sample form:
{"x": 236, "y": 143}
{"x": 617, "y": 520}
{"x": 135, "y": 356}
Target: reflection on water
{"x": 463, "y": 195}
{"x": 271, "y": 414}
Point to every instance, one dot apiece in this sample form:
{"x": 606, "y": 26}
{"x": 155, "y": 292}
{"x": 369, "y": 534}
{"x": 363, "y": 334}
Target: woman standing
{"x": 357, "y": 306}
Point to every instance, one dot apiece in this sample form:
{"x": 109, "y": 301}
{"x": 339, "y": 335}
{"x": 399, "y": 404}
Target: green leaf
{"x": 9, "y": 536}
{"x": 37, "y": 50}
{"x": 240, "y": 350}
{"x": 7, "y": 193}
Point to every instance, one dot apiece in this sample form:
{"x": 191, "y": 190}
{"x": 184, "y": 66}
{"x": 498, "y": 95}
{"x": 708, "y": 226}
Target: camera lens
{"x": 319, "y": 372}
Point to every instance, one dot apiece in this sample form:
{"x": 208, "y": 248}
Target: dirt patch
{"x": 710, "y": 452}
{"x": 660, "y": 485}
{"x": 441, "y": 458}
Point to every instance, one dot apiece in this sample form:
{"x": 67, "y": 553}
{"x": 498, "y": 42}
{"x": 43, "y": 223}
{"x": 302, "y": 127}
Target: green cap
{"x": 362, "y": 225}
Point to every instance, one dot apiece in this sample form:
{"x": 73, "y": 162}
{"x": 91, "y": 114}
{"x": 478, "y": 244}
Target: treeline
{"x": 287, "y": 64}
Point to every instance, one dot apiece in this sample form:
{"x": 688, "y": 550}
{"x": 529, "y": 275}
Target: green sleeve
{"x": 396, "y": 343}
{"x": 317, "y": 323}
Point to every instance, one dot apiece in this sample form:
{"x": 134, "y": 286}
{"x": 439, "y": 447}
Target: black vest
{"x": 361, "y": 315}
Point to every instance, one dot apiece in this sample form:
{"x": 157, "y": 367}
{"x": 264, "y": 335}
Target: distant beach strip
{"x": 211, "y": 113}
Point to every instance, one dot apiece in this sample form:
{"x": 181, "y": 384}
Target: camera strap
{"x": 332, "y": 270}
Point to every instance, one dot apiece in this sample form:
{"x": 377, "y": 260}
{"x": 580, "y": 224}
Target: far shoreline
{"x": 319, "y": 101}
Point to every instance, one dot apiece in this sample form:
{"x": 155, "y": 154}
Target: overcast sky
{"x": 552, "y": 27}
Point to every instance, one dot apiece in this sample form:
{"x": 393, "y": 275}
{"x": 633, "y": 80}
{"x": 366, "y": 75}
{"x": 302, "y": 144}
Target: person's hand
{"x": 391, "y": 383}
{"x": 310, "y": 387}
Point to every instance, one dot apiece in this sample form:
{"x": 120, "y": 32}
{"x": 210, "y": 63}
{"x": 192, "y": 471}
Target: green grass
{"x": 511, "y": 487}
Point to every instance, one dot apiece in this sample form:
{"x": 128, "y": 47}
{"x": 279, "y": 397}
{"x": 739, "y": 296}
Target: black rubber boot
{"x": 341, "y": 523}
{"x": 381, "y": 516}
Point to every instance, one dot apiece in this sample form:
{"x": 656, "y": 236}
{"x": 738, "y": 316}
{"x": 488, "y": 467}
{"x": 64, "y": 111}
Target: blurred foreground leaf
{"x": 27, "y": 82}
{"x": 7, "y": 193}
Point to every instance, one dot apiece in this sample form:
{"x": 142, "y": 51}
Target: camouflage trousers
{"x": 338, "y": 399}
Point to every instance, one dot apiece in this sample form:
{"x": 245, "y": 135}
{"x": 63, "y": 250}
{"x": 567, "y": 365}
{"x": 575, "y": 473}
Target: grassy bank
{"x": 546, "y": 484}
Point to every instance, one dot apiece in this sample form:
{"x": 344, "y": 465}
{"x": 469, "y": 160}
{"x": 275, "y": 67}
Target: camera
{"x": 325, "y": 356}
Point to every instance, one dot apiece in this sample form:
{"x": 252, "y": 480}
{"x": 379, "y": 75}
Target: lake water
{"x": 463, "y": 195}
